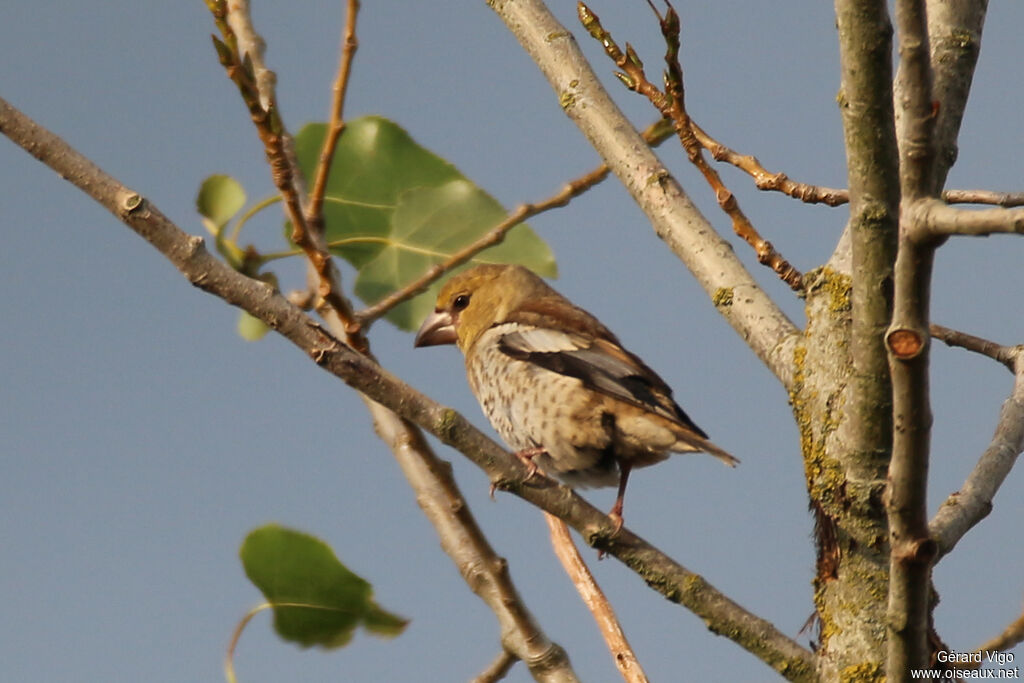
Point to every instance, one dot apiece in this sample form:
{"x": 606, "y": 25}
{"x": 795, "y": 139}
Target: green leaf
{"x": 251, "y": 328}
{"x": 316, "y": 599}
{"x": 220, "y": 198}
{"x": 393, "y": 209}
{"x": 374, "y": 162}
{"x": 428, "y": 225}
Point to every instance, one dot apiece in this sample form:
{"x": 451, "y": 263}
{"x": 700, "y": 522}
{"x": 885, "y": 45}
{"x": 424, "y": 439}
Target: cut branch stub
{"x": 905, "y": 343}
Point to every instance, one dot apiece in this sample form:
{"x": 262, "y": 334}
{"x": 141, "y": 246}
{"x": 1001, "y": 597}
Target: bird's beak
{"x": 438, "y": 328}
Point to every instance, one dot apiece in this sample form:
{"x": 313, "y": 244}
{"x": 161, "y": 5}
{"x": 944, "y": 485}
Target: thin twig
{"x": 655, "y": 134}
{"x": 336, "y": 124}
{"x": 595, "y": 600}
{"x": 1007, "y": 355}
{"x": 271, "y": 130}
{"x": 670, "y": 104}
{"x": 766, "y": 180}
{"x": 497, "y": 669}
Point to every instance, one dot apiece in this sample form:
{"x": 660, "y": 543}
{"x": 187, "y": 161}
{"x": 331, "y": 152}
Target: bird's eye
{"x": 460, "y": 302}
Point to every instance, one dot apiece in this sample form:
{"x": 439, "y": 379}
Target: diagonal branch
{"x": 1006, "y": 355}
{"x": 963, "y": 509}
{"x": 711, "y": 260}
{"x": 484, "y": 571}
{"x": 595, "y": 600}
{"x": 497, "y": 669}
{"x": 189, "y": 255}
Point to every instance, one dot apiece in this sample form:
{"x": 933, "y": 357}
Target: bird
{"x": 556, "y": 384}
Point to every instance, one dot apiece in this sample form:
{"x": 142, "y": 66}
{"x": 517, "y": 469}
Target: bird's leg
{"x": 616, "y": 512}
{"x": 526, "y": 457}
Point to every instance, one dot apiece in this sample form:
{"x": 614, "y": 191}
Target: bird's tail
{"x": 692, "y": 442}
{"x": 726, "y": 457}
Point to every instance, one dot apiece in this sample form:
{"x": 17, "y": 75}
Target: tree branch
{"x": 867, "y": 251}
{"x": 765, "y": 179}
{"x": 865, "y": 48}
{"x": 942, "y": 220}
{"x": 954, "y": 34}
{"x": 744, "y": 305}
{"x": 917, "y": 109}
{"x": 1011, "y": 636}
{"x": 963, "y": 509}
{"x": 484, "y": 571}
{"x": 1004, "y": 199}
{"x": 912, "y": 549}
{"x": 189, "y": 255}
{"x": 497, "y": 669}
{"x": 595, "y": 600}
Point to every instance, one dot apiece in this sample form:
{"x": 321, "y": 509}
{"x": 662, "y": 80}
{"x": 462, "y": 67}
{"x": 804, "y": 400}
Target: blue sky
{"x": 142, "y": 439}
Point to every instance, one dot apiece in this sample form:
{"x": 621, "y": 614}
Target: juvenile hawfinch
{"x": 556, "y": 384}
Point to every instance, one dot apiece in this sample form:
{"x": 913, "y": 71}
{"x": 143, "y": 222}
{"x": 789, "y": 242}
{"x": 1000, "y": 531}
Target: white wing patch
{"x": 538, "y": 339}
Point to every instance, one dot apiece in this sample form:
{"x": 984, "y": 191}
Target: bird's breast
{"x": 530, "y": 406}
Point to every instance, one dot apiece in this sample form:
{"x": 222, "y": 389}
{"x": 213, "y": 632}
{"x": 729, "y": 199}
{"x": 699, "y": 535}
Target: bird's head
{"x": 476, "y": 299}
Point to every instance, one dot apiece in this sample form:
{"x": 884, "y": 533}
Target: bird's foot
{"x": 616, "y": 516}
{"x": 526, "y": 457}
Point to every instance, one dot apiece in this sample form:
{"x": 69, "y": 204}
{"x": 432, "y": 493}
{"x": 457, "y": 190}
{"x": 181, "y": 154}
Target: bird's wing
{"x": 601, "y": 364}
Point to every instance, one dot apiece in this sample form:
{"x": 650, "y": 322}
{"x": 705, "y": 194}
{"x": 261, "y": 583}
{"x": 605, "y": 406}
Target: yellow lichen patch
{"x": 839, "y": 287}
{"x": 722, "y": 297}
